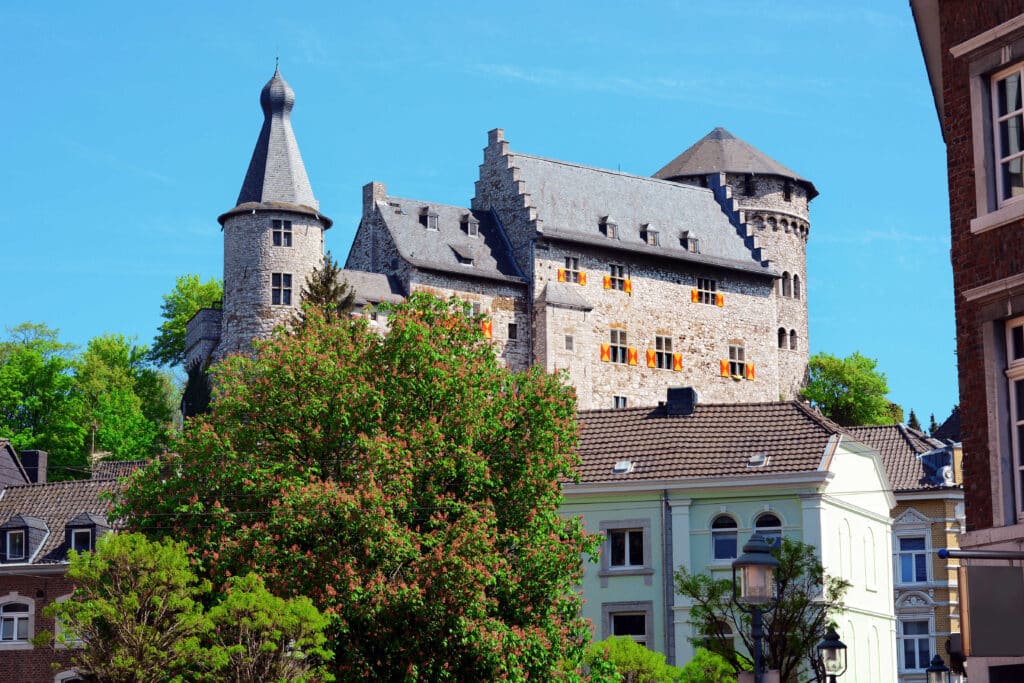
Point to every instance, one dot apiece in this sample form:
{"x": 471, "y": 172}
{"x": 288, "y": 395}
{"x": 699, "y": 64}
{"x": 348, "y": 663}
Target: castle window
{"x": 749, "y": 188}
{"x": 787, "y": 191}
{"x": 618, "y": 402}
{"x": 617, "y": 348}
{"x": 663, "y": 352}
{"x": 792, "y": 340}
{"x": 470, "y": 225}
{"x": 572, "y": 269}
{"x": 706, "y": 290}
{"x": 513, "y": 331}
{"x": 796, "y": 286}
{"x": 569, "y": 343}
{"x": 649, "y": 236}
{"x": 787, "y": 284}
{"x": 617, "y": 277}
{"x": 281, "y": 289}
{"x": 737, "y": 360}
{"x": 609, "y": 228}
{"x": 782, "y": 338}
{"x": 282, "y": 233}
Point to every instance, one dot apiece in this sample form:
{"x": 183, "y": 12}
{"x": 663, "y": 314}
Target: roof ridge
{"x": 609, "y": 171}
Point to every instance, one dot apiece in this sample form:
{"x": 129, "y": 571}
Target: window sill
{"x": 19, "y": 645}
{"x": 627, "y": 571}
{"x": 998, "y": 218}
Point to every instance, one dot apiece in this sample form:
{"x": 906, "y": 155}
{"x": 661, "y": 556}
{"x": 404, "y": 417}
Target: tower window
{"x": 282, "y": 233}
{"x": 787, "y": 191}
{"x": 796, "y": 286}
{"x": 281, "y": 289}
{"x": 569, "y": 345}
{"x": 749, "y": 187}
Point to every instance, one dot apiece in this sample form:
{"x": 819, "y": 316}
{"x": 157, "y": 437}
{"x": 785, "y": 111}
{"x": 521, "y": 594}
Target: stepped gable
{"x": 450, "y": 248}
{"x": 722, "y": 152}
{"x": 899, "y": 447}
{"x": 56, "y": 504}
{"x": 717, "y": 440}
{"x": 276, "y": 174}
{"x": 570, "y": 201}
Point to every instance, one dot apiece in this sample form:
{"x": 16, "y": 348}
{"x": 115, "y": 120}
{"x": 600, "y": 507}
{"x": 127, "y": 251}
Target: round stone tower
{"x": 774, "y": 203}
{"x": 274, "y": 237}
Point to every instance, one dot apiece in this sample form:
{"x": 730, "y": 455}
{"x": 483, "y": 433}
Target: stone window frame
{"x": 988, "y": 55}
{"x": 707, "y": 290}
{"x": 513, "y": 331}
{"x": 13, "y": 598}
{"x": 570, "y": 343}
{"x": 618, "y": 347}
{"x": 663, "y": 352}
{"x": 783, "y": 338}
{"x": 793, "y": 340}
{"x": 796, "y": 286}
{"x": 644, "y": 607}
{"x": 911, "y": 531}
{"x": 281, "y": 232}
{"x": 641, "y": 524}
{"x": 280, "y": 289}
{"x": 619, "y": 402}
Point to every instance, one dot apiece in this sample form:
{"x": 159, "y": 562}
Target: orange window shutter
{"x": 583, "y": 278}
{"x": 651, "y": 358}
{"x": 677, "y": 361}
{"x": 719, "y": 300}
{"x": 694, "y": 296}
{"x": 487, "y": 327}
{"x": 723, "y": 368}
{"x": 629, "y": 286}
{"x": 606, "y": 353}
{"x": 750, "y": 371}
{"x": 632, "y": 357}
{"x": 607, "y": 281}
{"x": 561, "y": 274}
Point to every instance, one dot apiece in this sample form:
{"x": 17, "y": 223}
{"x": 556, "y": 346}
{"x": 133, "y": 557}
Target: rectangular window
{"x": 1008, "y": 129}
{"x": 572, "y": 269}
{"x": 281, "y": 289}
{"x": 649, "y": 236}
{"x": 689, "y": 243}
{"x": 16, "y": 545}
{"x": 569, "y": 342}
{"x": 471, "y": 226}
{"x": 81, "y": 540}
{"x": 632, "y": 624}
{"x": 282, "y": 231}
{"x": 609, "y": 229}
{"x": 618, "y": 402}
{"x": 916, "y": 648}
{"x": 626, "y": 547}
{"x": 737, "y": 361}
{"x": 617, "y": 277}
{"x": 913, "y": 559}
{"x": 1015, "y": 380}
{"x": 706, "y": 289}
{"x": 617, "y": 348}
{"x": 663, "y": 352}
{"x": 513, "y": 331}
{"x": 14, "y": 620}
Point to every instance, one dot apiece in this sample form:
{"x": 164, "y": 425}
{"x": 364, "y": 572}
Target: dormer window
{"x": 81, "y": 540}
{"x": 428, "y": 218}
{"x": 690, "y": 243}
{"x": 609, "y": 228}
{"x": 20, "y": 536}
{"x": 16, "y": 543}
{"x": 470, "y": 225}
{"x": 649, "y": 235}
{"x": 82, "y": 531}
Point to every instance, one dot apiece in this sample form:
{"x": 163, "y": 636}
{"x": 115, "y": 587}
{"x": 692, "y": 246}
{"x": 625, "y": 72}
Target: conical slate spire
{"x": 276, "y": 172}
{"x": 722, "y": 152}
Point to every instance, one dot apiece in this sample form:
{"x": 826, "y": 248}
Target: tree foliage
{"x": 633, "y": 662}
{"x": 140, "y": 607}
{"x": 849, "y": 390}
{"x": 913, "y": 422}
{"x": 40, "y": 404}
{"x": 327, "y": 291}
{"x": 793, "y": 629}
{"x": 189, "y": 295}
{"x": 408, "y": 484}
{"x": 707, "y": 667}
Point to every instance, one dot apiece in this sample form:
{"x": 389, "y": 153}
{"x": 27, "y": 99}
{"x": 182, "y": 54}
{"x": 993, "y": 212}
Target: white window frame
{"x": 925, "y": 552}
{"x": 900, "y": 638}
{"x": 997, "y": 157}
{"x": 1015, "y": 378}
{"x": 89, "y": 535}
{"x": 12, "y": 533}
{"x": 607, "y": 569}
{"x": 29, "y": 616}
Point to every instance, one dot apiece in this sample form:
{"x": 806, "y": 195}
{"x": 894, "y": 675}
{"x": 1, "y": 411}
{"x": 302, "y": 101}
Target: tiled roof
{"x": 722, "y": 152}
{"x": 56, "y": 503}
{"x": 116, "y": 469}
{"x": 899, "y": 447}
{"x": 11, "y": 470}
{"x": 441, "y": 249}
{"x": 716, "y": 440}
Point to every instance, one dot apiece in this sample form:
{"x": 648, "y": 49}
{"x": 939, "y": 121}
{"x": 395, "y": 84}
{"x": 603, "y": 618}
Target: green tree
{"x": 633, "y": 662}
{"x": 189, "y": 295}
{"x": 933, "y": 426}
{"x": 326, "y": 290}
{"x": 849, "y": 390}
{"x": 40, "y": 406}
{"x": 793, "y": 629}
{"x": 408, "y": 484}
{"x": 707, "y": 667}
{"x": 913, "y": 422}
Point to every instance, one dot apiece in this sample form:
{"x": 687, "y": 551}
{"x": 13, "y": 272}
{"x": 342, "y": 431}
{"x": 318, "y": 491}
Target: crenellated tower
{"x": 274, "y": 236}
{"x": 774, "y": 205}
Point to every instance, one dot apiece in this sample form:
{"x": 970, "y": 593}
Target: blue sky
{"x": 128, "y": 128}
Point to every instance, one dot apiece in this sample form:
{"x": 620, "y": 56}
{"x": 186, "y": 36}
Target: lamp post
{"x": 938, "y": 672}
{"x": 754, "y": 590}
{"x": 832, "y": 655}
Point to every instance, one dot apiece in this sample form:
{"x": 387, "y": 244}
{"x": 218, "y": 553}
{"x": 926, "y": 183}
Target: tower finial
{"x": 277, "y": 60}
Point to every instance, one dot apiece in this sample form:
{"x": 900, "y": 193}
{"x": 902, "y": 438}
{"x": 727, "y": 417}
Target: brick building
{"x": 974, "y": 53}
{"x": 630, "y": 284}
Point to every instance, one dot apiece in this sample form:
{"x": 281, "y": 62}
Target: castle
{"x": 629, "y": 284}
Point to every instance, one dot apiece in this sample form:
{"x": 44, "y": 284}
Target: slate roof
{"x": 372, "y": 288}
{"x": 899, "y": 447}
{"x": 276, "y": 172}
{"x": 440, "y": 249}
{"x": 950, "y": 429}
{"x": 716, "y": 440}
{"x": 11, "y": 470}
{"x": 565, "y": 295}
{"x": 56, "y": 504}
{"x": 117, "y": 469}
{"x": 571, "y": 200}
{"x": 722, "y": 152}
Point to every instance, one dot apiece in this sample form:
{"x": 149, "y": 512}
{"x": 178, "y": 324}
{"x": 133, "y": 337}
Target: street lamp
{"x": 754, "y": 590}
{"x": 938, "y": 672}
{"x": 832, "y": 655}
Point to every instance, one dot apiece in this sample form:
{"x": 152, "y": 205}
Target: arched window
{"x": 769, "y": 526}
{"x": 723, "y": 537}
{"x": 796, "y": 286}
{"x": 792, "y": 340}
{"x": 719, "y": 630}
{"x": 782, "y": 338}
{"x": 787, "y": 284}
{"x": 16, "y": 617}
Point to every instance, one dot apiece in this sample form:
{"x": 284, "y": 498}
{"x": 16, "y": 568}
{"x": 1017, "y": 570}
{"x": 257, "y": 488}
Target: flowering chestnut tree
{"x": 407, "y": 483}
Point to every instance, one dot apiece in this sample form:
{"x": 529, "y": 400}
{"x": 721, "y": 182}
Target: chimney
{"x": 34, "y": 463}
{"x": 373, "y": 193}
{"x": 681, "y": 401}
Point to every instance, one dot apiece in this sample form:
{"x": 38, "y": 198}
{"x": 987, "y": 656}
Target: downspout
{"x": 668, "y": 583}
